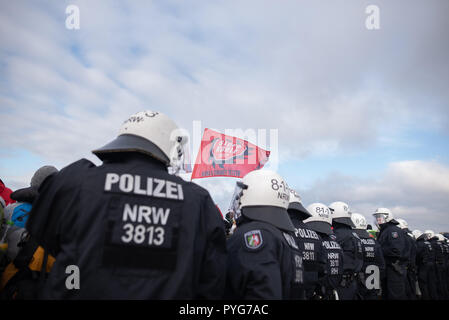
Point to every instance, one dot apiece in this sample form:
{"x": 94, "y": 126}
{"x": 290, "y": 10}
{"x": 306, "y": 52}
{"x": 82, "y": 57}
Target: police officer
{"x": 129, "y": 229}
{"x": 16, "y": 215}
{"x": 373, "y": 269}
{"x": 440, "y": 259}
{"x": 423, "y": 263}
{"x": 396, "y": 250}
{"x": 410, "y": 281}
{"x": 321, "y": 222}
{"x": 310, "y": 244}
{"x": 433, "y": 281}
{"x": 352, "y": 248}
{"x": 446, "y": 255}
{"x": 264, "y": 261}
{"x": 438, "y": 262}
{"x": 446, "y": 248}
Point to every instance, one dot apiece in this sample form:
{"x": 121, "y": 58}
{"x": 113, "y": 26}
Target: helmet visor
{"x": 379, "y": 219}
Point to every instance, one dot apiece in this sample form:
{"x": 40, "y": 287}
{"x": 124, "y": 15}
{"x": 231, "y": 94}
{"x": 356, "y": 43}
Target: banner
{"x": 225, "y": 156}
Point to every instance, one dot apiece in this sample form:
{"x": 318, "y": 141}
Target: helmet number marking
{"x": 275, "y": 185}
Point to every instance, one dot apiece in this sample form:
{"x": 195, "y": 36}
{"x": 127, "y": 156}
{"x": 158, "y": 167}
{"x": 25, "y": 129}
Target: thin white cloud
{"x": 290, "y": 66}
{"x": 417, "y": 191}
{"x": 311, "y": 70}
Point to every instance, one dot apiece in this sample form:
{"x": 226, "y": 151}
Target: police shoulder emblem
{"x": 290, "y": 240}
{"x": 394, "y": 234}
{"x": 253, "y": 239}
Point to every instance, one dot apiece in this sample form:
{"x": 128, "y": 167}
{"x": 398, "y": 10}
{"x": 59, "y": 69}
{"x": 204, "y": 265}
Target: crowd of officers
{"x": 342, "y": 260}
{"x": 131, "y": 228}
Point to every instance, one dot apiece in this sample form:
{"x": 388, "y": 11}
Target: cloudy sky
{"x": 362, "y": 115}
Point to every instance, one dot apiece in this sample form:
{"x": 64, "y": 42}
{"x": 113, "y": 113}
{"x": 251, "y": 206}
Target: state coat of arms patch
{"x": 253, "y": 239}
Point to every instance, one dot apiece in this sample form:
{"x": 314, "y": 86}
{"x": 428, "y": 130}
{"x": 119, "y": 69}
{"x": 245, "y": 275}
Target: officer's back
{"x": 133, "y": 230}
{"x": 440, "y": 261}
{"x": 352, "y": 249}
{"x": 425, "y": 263}
{"x": 373, "y": 268}
{"x": 262, "y": 268}
{"x": 310, "y": 246}
{"x": 320, "y": 221}
{"x": 263, "y": 259}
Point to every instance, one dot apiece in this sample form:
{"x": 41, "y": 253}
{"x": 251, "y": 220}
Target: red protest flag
{"x": 225, "y": 156}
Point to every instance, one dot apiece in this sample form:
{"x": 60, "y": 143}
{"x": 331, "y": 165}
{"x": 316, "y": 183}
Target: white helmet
{"x": 382, "y": 215}
{"x": 440, "y": 237}
{"x": 295, "y": 206}
{"x": 151, "y": 133}
{"x": 359, "y": 221}
{"x": 340, "y": 213}
{"x": 263, "y": 195}
{"x": 402, "y": 223}
{"x": 320, "y": 220}
{"x": 429, "y": 234}
{"x": 417, "y": 233}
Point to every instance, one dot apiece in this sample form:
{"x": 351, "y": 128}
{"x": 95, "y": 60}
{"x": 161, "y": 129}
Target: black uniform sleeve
{"x": 213, "y": 273}
{"x": 255, "y": 274}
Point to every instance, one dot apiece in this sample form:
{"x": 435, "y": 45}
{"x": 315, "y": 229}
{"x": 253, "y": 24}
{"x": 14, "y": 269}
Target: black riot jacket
{"x": 313, "y": 253}
{"x": 372, "y": 254}
{"x": 133, "y": 231}
{"x": 424, "y": 252}
{"x": 446, "y": 253}
{"x": 335, "y": 261}
{"x": 394, "y": 243}
{"x": 263, "y": 263}
{"x": 352, "y": 247}
{"x": 439, "y": 251}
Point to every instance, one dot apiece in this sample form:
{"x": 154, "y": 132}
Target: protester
{"x": 5, "y": 193}
{"x": 28, "y": 262}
